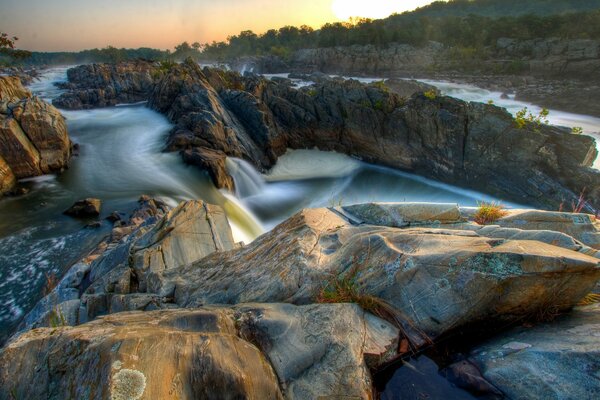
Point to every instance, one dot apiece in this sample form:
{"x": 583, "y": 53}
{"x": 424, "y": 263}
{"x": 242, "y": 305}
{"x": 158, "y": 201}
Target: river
{"x": 121, "y": 158}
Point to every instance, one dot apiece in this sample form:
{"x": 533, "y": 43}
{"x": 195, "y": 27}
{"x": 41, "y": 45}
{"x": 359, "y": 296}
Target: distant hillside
{"x": 463, "y": 24}
{"x": 501, "y": 8}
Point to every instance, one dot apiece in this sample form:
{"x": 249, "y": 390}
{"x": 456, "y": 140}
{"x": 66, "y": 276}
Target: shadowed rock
{"x": 7, "y": 178}
{"x": 553, "y": 360}
{"x": 103, "y": 85}
{"x": 89, "y": 207}
{"x": 219, "y": 114}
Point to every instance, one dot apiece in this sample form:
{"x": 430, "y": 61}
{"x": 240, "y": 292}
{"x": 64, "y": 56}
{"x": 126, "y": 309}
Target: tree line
{"x": 469, "y": 25}
{"x": 470, "y": 31}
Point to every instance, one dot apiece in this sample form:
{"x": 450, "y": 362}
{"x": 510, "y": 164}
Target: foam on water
{"x": 308, "y": 164}
{"x": 325, "y": 179}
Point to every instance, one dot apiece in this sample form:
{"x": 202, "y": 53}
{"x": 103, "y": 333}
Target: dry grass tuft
{"x": 590, "y": 299}
{"x": 488, "y": 213}
{"x": 51, "y": 282}
{"x": 344, "y": 289}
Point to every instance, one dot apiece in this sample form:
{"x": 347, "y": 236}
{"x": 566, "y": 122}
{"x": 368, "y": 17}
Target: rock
{"x": 437, "y": 278}
{"x": 33, "y": 134}
{"x": 583, "y": 227}
{"x": 126, "y": 272}
{"x": 408, "y": 87}
{"x": 114, "y": 217}
{"x": 425, "y": 267}
{"x": 549, "y": 361}
{"x": 186, "y": 234}
{"x": 7, "y": 178}
{"x": 103, "y": 85}
{"x": 221, "y": 114}
{"x": 186, "y": 354}
{"x": 89, "y": 207}
{"x": 303, "y": 352}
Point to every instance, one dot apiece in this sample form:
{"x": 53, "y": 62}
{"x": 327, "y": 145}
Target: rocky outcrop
{"x": 103, "y": 85}
{"x": 438, "y": 275}
{"x": 549, "y": 57}
{"x": 438, "y": 270}
{"x": 220, "y": 114}
{"x": 424, "y": 269}
{"x": 466, "y": 144}
{"x": 407, "y": 87}
{"x": 85, "y": 208}
{"x": 553, "y": 56}
{"x": 33, "y": 134}
{"x": 556, "y": 360}
{"x": 126, "y": 273}
{"x": 257, "y": 351}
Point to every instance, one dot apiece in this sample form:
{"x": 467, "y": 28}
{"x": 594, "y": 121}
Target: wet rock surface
{"x": 89, "y": 207}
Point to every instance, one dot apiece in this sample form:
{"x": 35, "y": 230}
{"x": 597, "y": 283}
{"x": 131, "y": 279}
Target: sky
{"x": 67, "y": 25}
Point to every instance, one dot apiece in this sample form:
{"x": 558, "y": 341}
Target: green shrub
{"x": 430, "y": 94}
{"x": 524, "y": 117}
{"x": 577, "y": 130}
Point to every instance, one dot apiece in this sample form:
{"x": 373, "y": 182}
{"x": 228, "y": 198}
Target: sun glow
{"x": 344, "y": 9}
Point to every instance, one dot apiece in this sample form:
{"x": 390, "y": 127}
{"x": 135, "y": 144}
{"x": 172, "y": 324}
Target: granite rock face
{"x": 219, "y": 114}
{"x": 438, "y": 275}
{"x": 126, "y": 273}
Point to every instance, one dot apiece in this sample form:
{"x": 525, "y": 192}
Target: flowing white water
{"x": 325, "y": 179}
{"x": 120, "y": 158}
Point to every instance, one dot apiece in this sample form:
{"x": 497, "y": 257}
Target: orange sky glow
{"x": 68, "y": 25}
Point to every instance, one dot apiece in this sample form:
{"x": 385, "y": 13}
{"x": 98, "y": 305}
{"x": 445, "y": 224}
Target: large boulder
{"x": 33, "y": 134}
{"x": 438, "y": 277}
{"x": 256, "y": 351}
{"x": 557, "y": 360}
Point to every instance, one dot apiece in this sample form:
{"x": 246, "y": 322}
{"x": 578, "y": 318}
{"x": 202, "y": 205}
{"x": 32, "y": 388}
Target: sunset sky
{"x": 58, "y": 25}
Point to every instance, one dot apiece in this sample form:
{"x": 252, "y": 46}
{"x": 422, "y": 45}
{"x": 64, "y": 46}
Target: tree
{"x": 7, "y": 46}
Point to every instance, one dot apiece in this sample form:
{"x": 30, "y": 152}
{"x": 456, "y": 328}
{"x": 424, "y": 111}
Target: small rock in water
{"x": 114, "y": 217}
{"x": 89, "y": 207}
